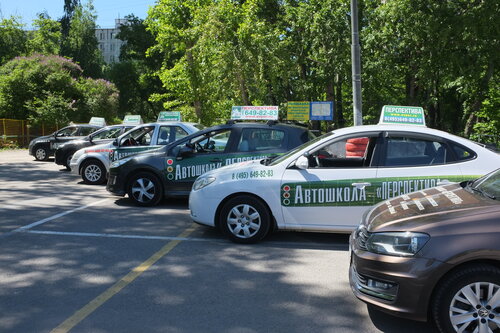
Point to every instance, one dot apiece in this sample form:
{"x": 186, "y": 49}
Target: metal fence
{"x": 20, "y": 132}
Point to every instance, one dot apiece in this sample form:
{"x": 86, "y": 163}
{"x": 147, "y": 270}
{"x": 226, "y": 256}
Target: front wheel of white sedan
{"x": 245, "y": 219}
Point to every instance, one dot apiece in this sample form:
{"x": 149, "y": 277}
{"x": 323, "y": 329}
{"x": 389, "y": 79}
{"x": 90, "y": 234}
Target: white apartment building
{"x": 108, "y": 43}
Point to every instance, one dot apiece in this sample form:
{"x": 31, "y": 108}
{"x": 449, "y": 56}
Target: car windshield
{"x": 277, "y": 160}
{"x": 488, "y": 185}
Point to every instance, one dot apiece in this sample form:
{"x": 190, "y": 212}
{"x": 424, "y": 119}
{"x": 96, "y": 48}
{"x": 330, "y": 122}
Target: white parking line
{"x": 48, "y": 219}
{"x": 91, "y": 234}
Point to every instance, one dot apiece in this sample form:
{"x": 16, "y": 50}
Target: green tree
{"x": 52, "y": 88}
{"x": 135, "y": 74}
{"x": 12, "y": 39}
{"x": 46, "y": 38}
{"x": 81, "y": 44}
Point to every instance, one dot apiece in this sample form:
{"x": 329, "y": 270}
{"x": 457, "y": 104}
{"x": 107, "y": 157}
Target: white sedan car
{"x": 92, "y": 163}
{"x": 326, "y": 184}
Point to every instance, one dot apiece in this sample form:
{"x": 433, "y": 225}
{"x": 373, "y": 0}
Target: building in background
{"x": 108, "y": 43}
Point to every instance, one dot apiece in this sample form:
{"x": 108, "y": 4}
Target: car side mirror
{"x": 186, "y": 151}
{"x": 302, "y": 162}
{"x": 115, "y": 142}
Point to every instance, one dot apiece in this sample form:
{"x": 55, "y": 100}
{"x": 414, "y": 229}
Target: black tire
{"x": 144, "y": 189}
{"x": 245, "y": 219}
{"x": 41, "y": 153}
{"x": 93, "y": 172}
{"x": 450, "y": 300}
{"x": 67, "y": 159}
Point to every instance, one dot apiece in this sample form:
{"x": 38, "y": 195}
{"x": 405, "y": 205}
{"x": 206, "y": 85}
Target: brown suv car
{"x": 433, "y": 254}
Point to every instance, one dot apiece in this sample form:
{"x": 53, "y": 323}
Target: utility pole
{"x": 356, "y": 66}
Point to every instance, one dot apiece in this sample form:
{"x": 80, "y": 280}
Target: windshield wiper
{"x": 486, "y": 194}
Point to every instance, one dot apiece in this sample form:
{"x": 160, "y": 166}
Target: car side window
{"x": 69, "y": 131}
{"x": 164, "y": 135}
{"x": 84, "y": 131}
{"x": 107, "y": 134}
{"x": 258, "y": 139}
{"x": 406, "y": 151}
{"x": 462, "y": 153}
{"x": 138, "y": 137}
{"x": 179, "y": 133}
{"x": 354, "y": 151}
{"x": 212, "y": 142}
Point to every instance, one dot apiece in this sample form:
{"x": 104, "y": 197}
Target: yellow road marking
{"x": 84, "y": 312}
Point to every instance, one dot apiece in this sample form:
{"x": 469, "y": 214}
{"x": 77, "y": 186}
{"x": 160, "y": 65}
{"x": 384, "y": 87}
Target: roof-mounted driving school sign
{"x": 405, "y": 115}
{"x": 254, "y": 113}
{"x": 169, "y": 116}
{"x": 98, "y": 121}
{"x": 132, "y": 120}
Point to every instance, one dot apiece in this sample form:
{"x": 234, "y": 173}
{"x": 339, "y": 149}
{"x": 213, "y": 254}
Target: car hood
{"x": 240, "y": 166}
{"x": 428, "y": 209}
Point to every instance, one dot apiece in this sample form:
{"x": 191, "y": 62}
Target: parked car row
{"x": 424, "y": 221}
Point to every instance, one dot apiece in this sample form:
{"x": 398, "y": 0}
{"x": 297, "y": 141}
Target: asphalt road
{"x": 75, "y": 259}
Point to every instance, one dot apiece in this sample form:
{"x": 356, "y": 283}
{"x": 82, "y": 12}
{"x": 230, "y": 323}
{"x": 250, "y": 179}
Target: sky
{"x": 107, "y": 10}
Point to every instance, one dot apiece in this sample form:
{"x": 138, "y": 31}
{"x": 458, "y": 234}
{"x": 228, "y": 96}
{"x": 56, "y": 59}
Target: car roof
{"x": 401, "y": 128}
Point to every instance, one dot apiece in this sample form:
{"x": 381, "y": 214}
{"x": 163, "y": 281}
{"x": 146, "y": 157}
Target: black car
{"x": 44, "y": 146}
{"x": 171, "y": 170}
{"x": 65, "y": 152}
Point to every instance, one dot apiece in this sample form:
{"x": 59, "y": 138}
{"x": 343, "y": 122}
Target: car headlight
{"x": 401, "y": 244}
{"x": 121, "y": 162}
{"x": 201, "y": 182}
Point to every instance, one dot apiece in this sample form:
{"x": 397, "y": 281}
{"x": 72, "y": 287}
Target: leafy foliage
{"x": 53, "y": 89}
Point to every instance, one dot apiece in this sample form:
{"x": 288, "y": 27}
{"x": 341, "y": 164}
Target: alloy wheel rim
{"x": 475, "y": 308}
{"x": 93, "y": 173}
{"x": 143, "y": 190}
{"x": 40, "y": 153}
{"x": 244, "y": 221}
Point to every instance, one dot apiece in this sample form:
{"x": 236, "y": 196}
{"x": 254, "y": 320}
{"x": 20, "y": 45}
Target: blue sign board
{"x": 321, "y": 111}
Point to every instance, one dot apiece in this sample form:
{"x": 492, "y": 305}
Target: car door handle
{"x": 361, "y": 185}
{"x": 216, "y": 160}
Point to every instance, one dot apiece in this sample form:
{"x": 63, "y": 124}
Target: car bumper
{"x": 116, "y": 184}
{"x": 203, "y": 206}
{"x": 401, "y": 286}
{"x": 59, "y": 158}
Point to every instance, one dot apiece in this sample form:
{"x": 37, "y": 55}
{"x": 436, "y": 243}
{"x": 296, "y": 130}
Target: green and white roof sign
{"x": 98, "y": 121}
{"x": 169, "y": 116}
{"x": 131, "y": 119}
{"x": 405, "y": 115}
{"x": 254, "y": 112}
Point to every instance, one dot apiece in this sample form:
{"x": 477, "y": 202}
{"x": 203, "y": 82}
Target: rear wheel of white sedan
{"x": 245, "y": 219}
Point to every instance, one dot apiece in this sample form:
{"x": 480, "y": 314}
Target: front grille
{"x": 362, "y": 237}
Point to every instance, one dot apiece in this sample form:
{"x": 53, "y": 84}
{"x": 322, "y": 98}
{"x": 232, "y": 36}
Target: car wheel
{"x": 69, "y": 156}
{"x": 245, "y": 219}
{"x": 145, "y": 189}
{"x": 41, "y": 154}
{"x": 469, "y": 300}
{"x": 93, "y": 172}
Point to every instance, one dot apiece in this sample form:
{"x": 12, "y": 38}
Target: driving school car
{"x": 326, "y": 184}
{"x": 44, "y": 146}
{"x": 171, "y": 171}
{"x": 93, "y": 162}
{"x": 64, "y": 153}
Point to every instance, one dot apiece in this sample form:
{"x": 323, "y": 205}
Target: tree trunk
{"x": 480, "y": 97}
